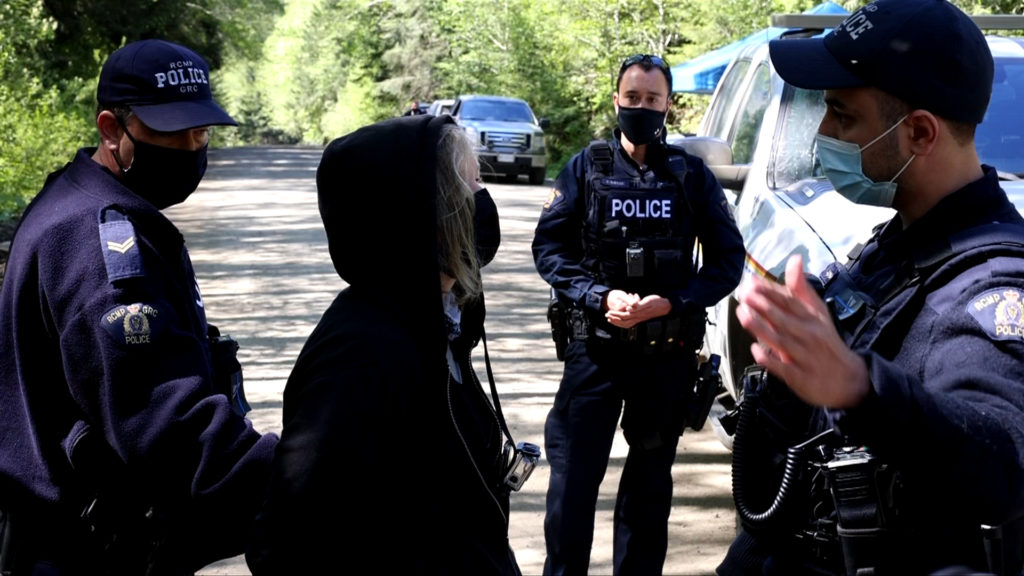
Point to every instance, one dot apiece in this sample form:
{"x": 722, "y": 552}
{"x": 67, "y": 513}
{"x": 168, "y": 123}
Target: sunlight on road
{"x": 255, "y": 237}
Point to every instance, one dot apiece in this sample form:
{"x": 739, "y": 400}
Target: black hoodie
{"x": 386, "y": 464}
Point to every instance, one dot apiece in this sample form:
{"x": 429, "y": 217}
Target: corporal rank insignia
{"x": 1000, "y": 313}
{"x": 132, "y": 324}
{"x": 120, "y": 251}
{"x": 553, "y": 198}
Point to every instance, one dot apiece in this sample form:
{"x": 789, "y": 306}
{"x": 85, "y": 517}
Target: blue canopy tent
{"x": 701, "y": 74}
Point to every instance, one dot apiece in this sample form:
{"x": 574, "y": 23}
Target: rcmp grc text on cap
{"x": 166, "y": 85}
{"x": 925, "y": 52}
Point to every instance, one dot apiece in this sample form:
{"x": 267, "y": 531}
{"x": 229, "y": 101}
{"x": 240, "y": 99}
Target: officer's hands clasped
{"x": 625, "y": 310}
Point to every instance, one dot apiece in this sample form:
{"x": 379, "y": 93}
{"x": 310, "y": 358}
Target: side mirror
{"x": 544, "y": 123}
{"x": 717, "y": 155}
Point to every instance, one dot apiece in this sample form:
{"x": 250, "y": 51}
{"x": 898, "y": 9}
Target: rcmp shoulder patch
{"x": 553, "y": 198}
{"x": 120, "y": 250}
{"x": 1000, "y": 313}
{"x": 133, "y": 324}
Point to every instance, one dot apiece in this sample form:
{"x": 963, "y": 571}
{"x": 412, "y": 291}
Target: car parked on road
{"x": 442, "y": 106}
{"x": 510, "y": 139}
{"x": 783, "y": 203}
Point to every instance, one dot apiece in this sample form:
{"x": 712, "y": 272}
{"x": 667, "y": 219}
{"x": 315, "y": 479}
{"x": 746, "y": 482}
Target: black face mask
{"x": 641, "y": 125}
{"x": 163, "y": 176}
{"x": 486, "y": 227}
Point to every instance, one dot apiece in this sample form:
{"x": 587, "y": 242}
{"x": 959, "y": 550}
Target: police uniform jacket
{"x": 386, "y": 464}
{"x": 944, "y": 347}
{"x": 700, "y": 211}
{"x": 946, "y": 366}
{"x": 104, "y": 336}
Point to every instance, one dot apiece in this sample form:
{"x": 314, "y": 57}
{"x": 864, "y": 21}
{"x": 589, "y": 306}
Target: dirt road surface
{"x": 256, "y": 239}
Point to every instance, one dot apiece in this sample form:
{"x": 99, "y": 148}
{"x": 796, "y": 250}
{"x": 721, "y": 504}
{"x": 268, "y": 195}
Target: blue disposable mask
{"x": 841, "y": 162}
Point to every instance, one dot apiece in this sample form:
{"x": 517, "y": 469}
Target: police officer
{"x": 616, "y": 241}
{"x": 926, "y": 368}
{"x": 118, "y": 457}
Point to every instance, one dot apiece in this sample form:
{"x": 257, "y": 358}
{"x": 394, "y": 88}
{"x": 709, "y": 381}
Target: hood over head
{"x": 377, "y": 191}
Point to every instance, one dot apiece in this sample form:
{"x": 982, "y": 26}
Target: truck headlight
{"x": 473, "y": 134}
{"x": 538, "y": 142}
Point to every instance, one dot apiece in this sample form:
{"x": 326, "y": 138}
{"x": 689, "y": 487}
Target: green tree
{"x": 42, "y": 122}
{"x": 413, "y": 44}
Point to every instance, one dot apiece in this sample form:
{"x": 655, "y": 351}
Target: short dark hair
{"x": 892, "y": 108}
{"x": 120, "y": 111}
{"x": 647, "y": 62}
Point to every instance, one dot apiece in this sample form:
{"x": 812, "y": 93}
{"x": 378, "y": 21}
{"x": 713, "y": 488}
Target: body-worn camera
{"x": 634, "y": 260}
{"x": 524, "y": 460}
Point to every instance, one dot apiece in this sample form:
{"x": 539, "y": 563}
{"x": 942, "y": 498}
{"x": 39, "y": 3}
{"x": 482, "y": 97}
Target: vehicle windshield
{"x": 500, "y": 110}
{"x": 1000, "y": 137}
{"x": 793, "y": 157}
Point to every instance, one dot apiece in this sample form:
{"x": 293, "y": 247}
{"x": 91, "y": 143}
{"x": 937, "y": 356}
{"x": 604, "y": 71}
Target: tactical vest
{"x": 638, "y": 234}
{"x": 879, "y": 321}
{"x": 857, "y": 313}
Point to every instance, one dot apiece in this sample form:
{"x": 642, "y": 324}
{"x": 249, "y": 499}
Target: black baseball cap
{"x": 165, "y": 84}
{"x": 926, "y": 52}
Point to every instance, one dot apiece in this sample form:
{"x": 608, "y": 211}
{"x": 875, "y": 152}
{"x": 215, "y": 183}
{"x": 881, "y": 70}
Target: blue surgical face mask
{"x": 841, "y": 162}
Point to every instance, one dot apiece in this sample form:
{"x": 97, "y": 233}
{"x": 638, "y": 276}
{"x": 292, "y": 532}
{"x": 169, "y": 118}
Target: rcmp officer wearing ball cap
{"x": 921, "y": 375}
{"x": 134, "y": 458}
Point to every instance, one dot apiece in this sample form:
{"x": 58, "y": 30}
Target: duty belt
{"x": 654, "y": 336}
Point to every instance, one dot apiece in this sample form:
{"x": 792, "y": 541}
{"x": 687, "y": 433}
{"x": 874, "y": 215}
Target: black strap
{"x": 939, "y": 262}
{"x": 993, "y": 235}
{"x": 982, "y": 240}
{"x": 601, "y": 155}
{"x": 494, "y": 389}
{"x": 679, "y": 175}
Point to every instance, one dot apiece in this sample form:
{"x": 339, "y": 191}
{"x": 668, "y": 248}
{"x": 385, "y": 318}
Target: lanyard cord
{"x": 494, "y": 389}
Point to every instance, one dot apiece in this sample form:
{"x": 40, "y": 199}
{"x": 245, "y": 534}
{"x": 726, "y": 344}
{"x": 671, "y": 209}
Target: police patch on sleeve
{"x": 133, "y": 324}
{"x": 1000, "y": 313}
{"x": 553, "y": 198}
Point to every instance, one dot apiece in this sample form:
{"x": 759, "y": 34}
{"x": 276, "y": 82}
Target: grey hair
{"x": 457, "y": 162}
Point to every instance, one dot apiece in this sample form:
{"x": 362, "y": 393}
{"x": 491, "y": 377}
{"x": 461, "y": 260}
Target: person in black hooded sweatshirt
{"x": 390, "y": 460}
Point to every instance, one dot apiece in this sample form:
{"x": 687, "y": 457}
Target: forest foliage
{"x": 307, "y": 71}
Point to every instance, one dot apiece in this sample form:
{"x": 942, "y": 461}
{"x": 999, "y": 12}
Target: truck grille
{"x": 505, "y": 140}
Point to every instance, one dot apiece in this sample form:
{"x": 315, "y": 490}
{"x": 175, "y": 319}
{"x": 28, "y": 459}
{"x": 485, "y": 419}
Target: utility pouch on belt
{"x": 661, "y": 335}
{"x": 227, "y": 372}
{"x": 579, "y": 323}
